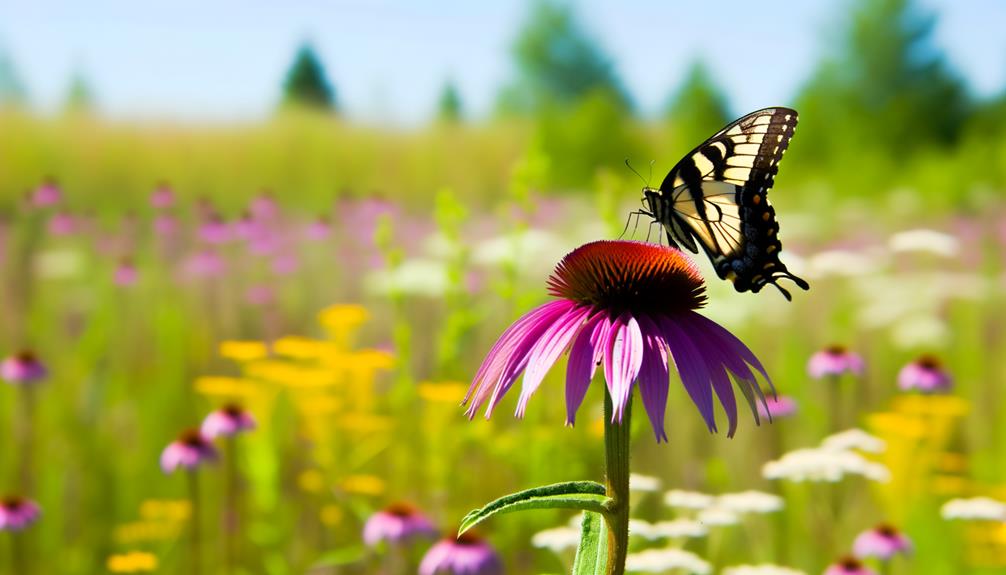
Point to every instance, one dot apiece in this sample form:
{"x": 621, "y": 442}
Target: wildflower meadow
{"x": 309, "y": 343}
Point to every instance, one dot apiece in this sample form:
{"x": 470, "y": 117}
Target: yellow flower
{"x": 363, "y": 484}
{"x": 311, "y": 481}
{"x": 144, "y": 531}
{"x": 166, "y": 509}
{"x": 132, "y": 562}
{"x": 331, "y": 515}
{"x": 298, "y": 347}
{"x": 226, "y": 386}
{"x": 442, "y": 392}
{"x": 243, "y": 350}
{"x": 341, "y": 321}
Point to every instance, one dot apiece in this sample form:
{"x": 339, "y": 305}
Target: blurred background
{"x": 327, "y": 211}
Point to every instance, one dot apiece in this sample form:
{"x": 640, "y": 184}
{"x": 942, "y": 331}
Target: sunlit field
{"x": 244, "y": 347}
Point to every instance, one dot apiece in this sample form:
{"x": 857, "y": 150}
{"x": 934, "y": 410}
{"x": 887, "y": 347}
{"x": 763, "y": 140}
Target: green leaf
{"x": 585, "y": 495}
{"x": 592, "y": 553}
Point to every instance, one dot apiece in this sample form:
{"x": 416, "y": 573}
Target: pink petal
{"x": 584, "y": 356}
{"x": 623, "y": 358}
{"x": 548, "y": 349}
{"x": 692, "y": 369}
{"x": 654, "y": 378}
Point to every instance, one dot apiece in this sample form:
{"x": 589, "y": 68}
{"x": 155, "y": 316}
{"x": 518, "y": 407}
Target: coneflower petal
{"x": 584, "y": 355}
{"x": 523, "y": 340}
{"x": 735, "y": 345}
{"x": 547, "y": 350}
{"x": 654, "y": 376}
{"x": 692, "y": 369}
{"x": 623, "y": 358}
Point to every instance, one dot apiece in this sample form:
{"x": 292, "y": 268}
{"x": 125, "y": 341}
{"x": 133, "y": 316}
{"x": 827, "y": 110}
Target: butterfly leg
{"x": 629, "y": 219}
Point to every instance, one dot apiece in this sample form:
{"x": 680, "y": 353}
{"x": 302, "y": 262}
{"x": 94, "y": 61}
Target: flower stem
{"x": 616, "y": 465}
{"x": 231, "y": 519}
{"x": 196, "y": 518}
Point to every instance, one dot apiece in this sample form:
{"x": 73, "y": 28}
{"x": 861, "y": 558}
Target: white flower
{"x": 644, "y": 483}
{"x": 764, "y": 569}
{"x": 557, "y": 540}
{"x": 718, "y": 517}
{"x": 818, "y": 464}
{"x": 843, "y": 263}
{"x": 853, "y": 439}
{"x": 660, "y": 560}
{"x": 921, "y": 240}
{"x": 517, "y": 247}
{"x": 679, "y": 529}
{"x": 750, "y": 502}
{"x": 415, "y": 277}
{"x": 640, "y": 528}
{"x": 687, "y": 499}
{"x": 983, "y": 508}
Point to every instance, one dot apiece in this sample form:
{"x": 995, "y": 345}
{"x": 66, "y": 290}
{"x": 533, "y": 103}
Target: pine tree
{"x": 449, "y": 108}
{"x": 306, "y": 84}
{"x": 697, "y": 110}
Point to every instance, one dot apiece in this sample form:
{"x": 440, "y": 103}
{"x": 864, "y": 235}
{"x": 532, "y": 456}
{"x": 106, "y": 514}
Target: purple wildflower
{"x": 23, "y": 368}
{"x": 165, "y": 225}
{"x": 190, "y": 450}
{"x": 260, "y": 295}
{"x": 398, "y": 523}
{"x": 318, "y": 230}
{"x": 62, "y": 223}
{"x": 125, "y": 273}
{"x": 264, "y": 206}
{"x": 206, "y": 263}
{"x": 46, "y": 195}
{"x": 925, "y": 374}
{"x": 848, "y": 566}
{"x": 469, "y": 554}
{"x": 882, "y": 542}
{"x": 229, "y": 420}
{"x": 214, "y": 230}
{"x": 162, "y": 197}
{"x": 16, "y": 513}
{"x": 777, "y": 407}
{"x": 629, "y": 307}
{"x": 834, "y": 361}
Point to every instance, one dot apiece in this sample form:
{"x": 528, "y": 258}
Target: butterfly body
{"x": 716, "y": 198}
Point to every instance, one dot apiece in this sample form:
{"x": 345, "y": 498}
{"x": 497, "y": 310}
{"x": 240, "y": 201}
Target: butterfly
{"x": 716, "y": 197}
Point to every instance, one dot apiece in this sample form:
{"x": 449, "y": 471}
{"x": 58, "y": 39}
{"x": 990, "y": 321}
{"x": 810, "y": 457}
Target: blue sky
{"x": 223, "y": 60}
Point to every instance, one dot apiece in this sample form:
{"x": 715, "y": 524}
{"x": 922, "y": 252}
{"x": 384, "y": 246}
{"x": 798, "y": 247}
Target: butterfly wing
{"x": 717, "y": 197}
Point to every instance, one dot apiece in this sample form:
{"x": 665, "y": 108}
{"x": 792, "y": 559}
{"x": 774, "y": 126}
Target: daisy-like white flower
{"x": 764, "y": 569}
{"x": 23, "y": 369}
{"x": 750, "y": 502}
{"x": 975, "y": 508}
{"x": 681, "y": 499}
{"x": 717, "y": 516}
{"x": 628, "y": 307}
{"x": 399, "y": 523}
{"x": 678, "y": 529}
{"x": 643, "y": 483}
{"x": 189, "y": 451}
{"x": 834, "y": 361}
{"x": 662, "y": 560}
{"x": 856, "y": 439}
{"x": 16, "y": 513}
{"x": 926, "y": 375}
{"x": 229, "y": 420}
{"x": 923, "y": 240}
{"x": 882, "y": 542}
{"x": 469, "y": 554}
{"x": 818, "y": 464}
{"x": 557, "y": 539}
{"x": 848, "y": 566}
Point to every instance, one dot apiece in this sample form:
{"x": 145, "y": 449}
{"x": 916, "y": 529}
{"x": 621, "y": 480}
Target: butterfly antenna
{"x": 640, "y": 176}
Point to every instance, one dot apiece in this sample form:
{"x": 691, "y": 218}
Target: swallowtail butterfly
{"x": 717, "y": 197}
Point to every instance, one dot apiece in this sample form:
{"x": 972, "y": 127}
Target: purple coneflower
{"x": 46, "y": 195}
{"x": 848, "y": 566}
{"x": 214, "y": 230}
{"x": 834, "y": 361}
{"x": 319, "y": 229}
{"x": 162, "y": 197}
{"x": 165, "y": 225}
{"x": 882, "y": 542}
{"x": 62, "y": 223}
{"x": 777, "y": 407}
{"x": 629, "y": 307}
{"x": 469, "y": 554}
{"x": 206, "y": 263}
{"x": 285, "y": 263}
{"x": 229, "y": 420}
{"x": 398, "y": 523}
{"x": 125, "y": 273}
{"x": 23, "y": 368}
{"x": 264, "y": 206}
{"x": 925, "y": 374}
{"x": 190, "y": 450}
{"x": 16, "y": 513}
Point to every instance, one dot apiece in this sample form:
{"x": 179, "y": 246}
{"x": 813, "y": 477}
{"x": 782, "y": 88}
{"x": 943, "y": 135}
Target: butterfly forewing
{"x": 717, "y": 196}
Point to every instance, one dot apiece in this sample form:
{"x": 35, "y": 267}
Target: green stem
{"x": 195, "y": 549}
{"x": 231, "y": 513}
{"x": 885, "y": 567}
{"x": 616, "y": 465}
{"x": 835, "y": 402}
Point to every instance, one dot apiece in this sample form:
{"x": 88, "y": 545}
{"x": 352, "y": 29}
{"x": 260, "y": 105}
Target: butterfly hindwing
{"x": 716, "y": 197}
